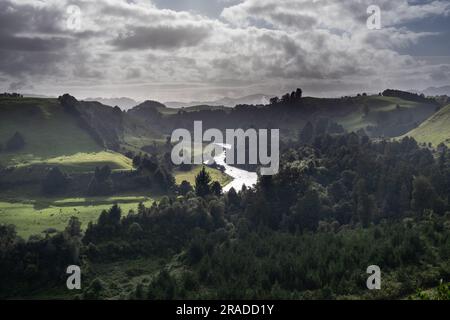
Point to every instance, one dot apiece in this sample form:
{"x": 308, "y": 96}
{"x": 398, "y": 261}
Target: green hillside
{"x": 52, "y": 136}
{"x": 435, "y": 130}
{"x": 386, "y": 115}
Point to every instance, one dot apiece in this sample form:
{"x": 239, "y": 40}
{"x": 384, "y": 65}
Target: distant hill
{"x": 77, "y": 134}
{"x": 123, "y": 103}
{"x": 435, "y": 130}
{"x": 434, "y": 91}
{"x": 256, "y": 99}
{"x": 32, "y": 95}
{"x": 148, "y": 105}
{"x": 437, "y": 91}
{"x": 384, "y": 115}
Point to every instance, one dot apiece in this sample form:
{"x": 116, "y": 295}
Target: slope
{"x": 435, "y": 130}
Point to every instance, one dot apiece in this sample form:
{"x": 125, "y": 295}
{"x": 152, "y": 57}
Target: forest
{"x": 338, "y": 204}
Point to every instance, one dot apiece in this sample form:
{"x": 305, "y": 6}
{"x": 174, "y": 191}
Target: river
{"x": 240, "y": 176}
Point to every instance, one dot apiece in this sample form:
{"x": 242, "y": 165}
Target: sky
{"x": 175, "y": 50}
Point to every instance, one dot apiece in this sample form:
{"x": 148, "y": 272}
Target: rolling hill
{"x": 384, "y": 115}
{"x": 378, "y": 115}
{"x": 52, "y": 136}
{"x": 435, "y": 130}
{"x": 81, "y": 135}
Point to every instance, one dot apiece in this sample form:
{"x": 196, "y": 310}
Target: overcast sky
{"x": 182, "y": 50}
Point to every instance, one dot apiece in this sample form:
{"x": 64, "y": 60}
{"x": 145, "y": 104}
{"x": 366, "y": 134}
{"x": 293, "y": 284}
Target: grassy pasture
{"x": 49, "y": 132}
{"x": 34, "y": 216}
{"x": 379, "y": 106}
{"x": 189, "y": 176}
{"x": 435, "y": 130}
{"x": 85, "y": 162}
{"x": 52, "y": 137}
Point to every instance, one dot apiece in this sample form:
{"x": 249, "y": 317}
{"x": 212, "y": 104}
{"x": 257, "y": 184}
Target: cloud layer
{"x": 134, "y": 48}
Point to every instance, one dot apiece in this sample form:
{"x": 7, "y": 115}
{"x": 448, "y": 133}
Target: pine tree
{"x": 202, "y": 181}
{"x": 216, "y": 188}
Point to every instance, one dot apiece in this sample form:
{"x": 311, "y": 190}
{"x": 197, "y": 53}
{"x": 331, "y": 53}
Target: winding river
{"x": 240, "y": 176}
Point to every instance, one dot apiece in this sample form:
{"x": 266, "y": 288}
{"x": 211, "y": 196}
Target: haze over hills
{"x": 255, "y": 99}
{"x": 437, "y": 91}
{"x": 434, "y": 91}
{"x": 126, "y": 103}
{"x": 123, "y": 103}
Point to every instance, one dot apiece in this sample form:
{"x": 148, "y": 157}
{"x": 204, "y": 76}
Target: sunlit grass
{"x": 35, "y": 216}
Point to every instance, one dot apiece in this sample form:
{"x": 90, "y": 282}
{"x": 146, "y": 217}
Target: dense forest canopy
{"x": 337, "y": 205}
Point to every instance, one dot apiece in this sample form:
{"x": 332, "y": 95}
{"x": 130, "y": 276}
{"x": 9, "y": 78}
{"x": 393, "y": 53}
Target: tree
{"x": 298, "y": 94}
{"x": 286, "y": 98}
{"x": 202, "y": 181}
{"x": 232, "y": 198}
{"x": 216, "y": 188}
{"x": 307, "y": 211}
{"x": 73, "y": 228}
{"x": 94, "y": 290}
{"x": 164, "y": 179}
{"x": 307, "y": 133}
{"x": 423, "y": 194}
{"x": 274, "y": 100}
{"x": 110, "y": 217}
{"x": 404, "y": 198}
{"x": 364, "y": 203}
{"x": 101, "y": 183}
{"x": 185, "y": 187}
{"x": 135, "y": 230}
{"x": 16, "y": 142}
{"x": 114, "y": 214}
{"x": 54, "y": 182}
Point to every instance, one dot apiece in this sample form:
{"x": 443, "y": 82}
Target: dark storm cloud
{"x": 17, "y": 43}
{"x": 14, "y": 86}
{"x": 135, "y": 45}
{"x": 17, "y": 18}
{"x": 161, "y": 37}
{"x": 15, "y": 63}
{"x": 32, "y": 41}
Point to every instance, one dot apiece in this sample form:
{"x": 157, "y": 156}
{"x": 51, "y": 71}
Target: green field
{"x": 34, "y": 216}
{"x": 189, "y": 176}
{"x": 85, "y": 162}
{"x": 435, "y": 130}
